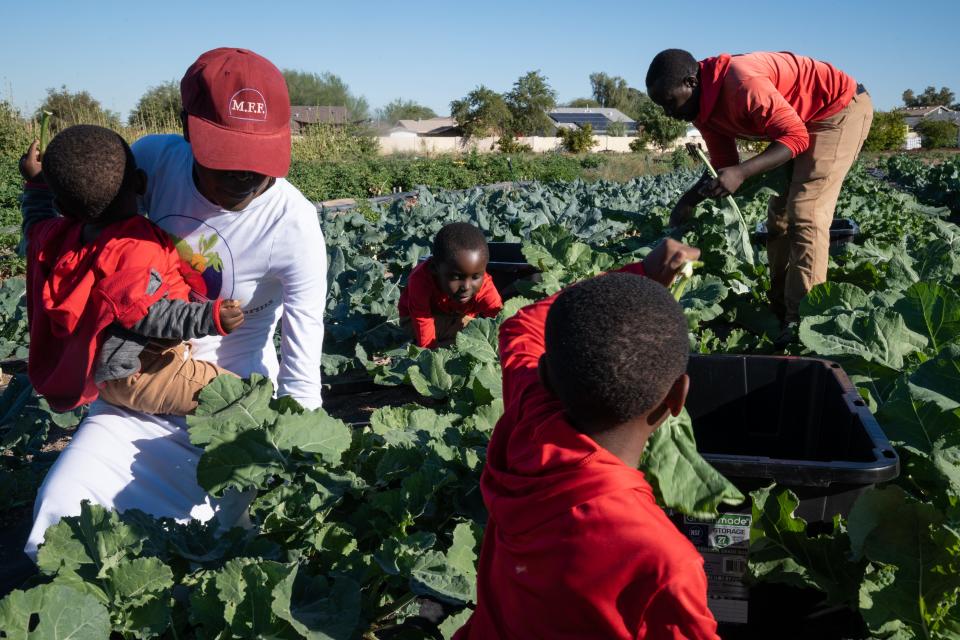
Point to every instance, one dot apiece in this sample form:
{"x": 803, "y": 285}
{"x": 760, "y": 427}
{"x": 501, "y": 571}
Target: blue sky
{"x": 434, "y": 52}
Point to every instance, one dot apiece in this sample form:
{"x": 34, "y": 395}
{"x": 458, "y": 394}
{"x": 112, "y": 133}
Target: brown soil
{"x": 358, "y": 407}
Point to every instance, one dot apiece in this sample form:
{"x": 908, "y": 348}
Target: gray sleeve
{"x": 178, "y": 320}
{"x": 36, "y": 205}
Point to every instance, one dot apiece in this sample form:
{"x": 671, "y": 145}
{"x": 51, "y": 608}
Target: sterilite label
{"x": 723, "y": 543}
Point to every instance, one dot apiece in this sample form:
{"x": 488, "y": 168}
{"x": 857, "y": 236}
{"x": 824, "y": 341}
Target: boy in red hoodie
{"x": 575, "y": 545}
{"x": 450, "y": 288}
{"x": 107, "y": 306}
{"x": 810, "y": 111}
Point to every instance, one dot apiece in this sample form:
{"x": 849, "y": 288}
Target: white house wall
{"x": 409, "y": 144}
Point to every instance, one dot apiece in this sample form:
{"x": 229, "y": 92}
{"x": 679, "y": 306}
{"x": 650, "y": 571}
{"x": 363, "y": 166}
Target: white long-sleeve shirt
{"x": 270, "y": 256}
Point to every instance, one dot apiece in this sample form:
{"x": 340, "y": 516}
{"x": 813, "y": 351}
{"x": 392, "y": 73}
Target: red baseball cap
{"x": 238, "y": 112}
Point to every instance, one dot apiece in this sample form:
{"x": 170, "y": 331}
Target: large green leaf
{"x": 316, "y": 607}
{"x": 244, "y": 589}
{"x": 938, "y": 380}
{"x": 781, "y": 551}
{"x": 736, "y": 231}
{"x": 877, "y": 335}
{"x": 410, "y": 425}
{"x": 450, "y": 576}
{"x": 701, "y": 300}
{"x": 453, "y": 623}
{"x": 680, "y": 477}
{"x": 909, "y": 419}
{"x": 249, "y": 437}
{"x": 229, "y": 405}
{"x": 438, "y": 372}
{"x": 919, "y": 555}
{"x": 479, "y": 339}
{"x": 311, "y": 432}
{"x": 61, "y": 614}
{"x": 97, "y": 537}
{"x": 141, "y": 591}
{"x": 831, "y": 295}
{"x": 933, "y": 311}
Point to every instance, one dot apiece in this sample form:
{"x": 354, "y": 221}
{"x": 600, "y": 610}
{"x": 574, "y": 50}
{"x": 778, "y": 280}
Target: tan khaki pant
{"x": 447, "y": 327}
{"x": 799, "y": 222}
{"x": 169, "y": 381}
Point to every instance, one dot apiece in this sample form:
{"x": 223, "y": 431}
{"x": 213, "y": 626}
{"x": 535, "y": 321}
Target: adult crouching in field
{"x": 242, "y": 232}
{"x": 811, "y": 112}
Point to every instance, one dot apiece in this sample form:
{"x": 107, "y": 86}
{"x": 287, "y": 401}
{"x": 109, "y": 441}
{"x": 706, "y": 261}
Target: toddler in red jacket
{"x": 575, "y": 545}
{"x": 450, "y": 288}
{"x": 107, "y": 305}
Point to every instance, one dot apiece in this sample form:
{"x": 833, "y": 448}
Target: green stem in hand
{"x": 683, "y": 278}
{"x": 44, "y": 124}
{"x": 744, "y": 233}
{"x": 713, "y": 174}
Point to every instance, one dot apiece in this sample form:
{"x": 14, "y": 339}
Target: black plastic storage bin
{"x": 507, "y": 265}
{"x": 843, "y": 231}
{"x": 798, "y": 422}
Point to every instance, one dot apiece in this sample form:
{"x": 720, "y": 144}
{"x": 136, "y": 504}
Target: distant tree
{"x": 509, "y": 144}
{"x": 401, "y": 109}
{"x": 887, "y": 133}
{"x": 15, "y": 135}
{"x": 937, "y": 133}
{"x": 617, "y": 129}
{"x": 931, "y": 97}
{"x": 583, "y": 103}
{"x": 656, "y": 126}
{"x": 579, "y": 140}
{"x": 482, "y": 112}
{"x": 159, "y": 105}
{"x": 608, "y": 91}
{"x": 75, "y": 107}
{"x": 324, "y": 90}
{"x": 529, "y": 101}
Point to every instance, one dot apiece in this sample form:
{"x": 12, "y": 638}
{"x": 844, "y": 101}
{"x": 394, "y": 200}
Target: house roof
{"x": 912, "y": 112}
{"x": 319, "y": 115}
{"x": 427, "y": 126}
{"x": 613, "y": 115}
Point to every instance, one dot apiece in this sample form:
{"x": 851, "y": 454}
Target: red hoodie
{"x": 76, "y": 290}
{"x": 575, "y": 546}
{"x": 766, "y": 96}
{"x": 422, "y": 300}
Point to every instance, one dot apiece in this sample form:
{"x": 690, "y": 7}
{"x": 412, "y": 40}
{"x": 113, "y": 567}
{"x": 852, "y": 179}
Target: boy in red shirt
{"x": 450, "y": 288}
{"x": 107, "y": 305}
{"x": 810, "y": 112}
{"x": 575, "y": 546}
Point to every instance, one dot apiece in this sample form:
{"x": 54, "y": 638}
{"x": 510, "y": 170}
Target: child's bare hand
{"x": 667, "y": 258}
{"x": 231, "y": 315}
{"x": 30, "y": 167}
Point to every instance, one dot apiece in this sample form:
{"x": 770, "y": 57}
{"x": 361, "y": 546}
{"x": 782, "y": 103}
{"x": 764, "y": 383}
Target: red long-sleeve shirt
{"x": 422, "y": 300}
{"x": 575, "y": 546}
{"x": 766, "y": 96}
{"x": 76, "y": 290}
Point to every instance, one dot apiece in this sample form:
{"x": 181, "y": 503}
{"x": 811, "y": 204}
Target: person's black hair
{"x": 88, "y": 168}
{"x": 670, "y": 67}
{"x": 615, "y": 345}
{"x": 456, "y": 237}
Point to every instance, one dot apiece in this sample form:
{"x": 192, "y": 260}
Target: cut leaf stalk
{"x": 683, "y": 278}
{"x": 44, "y": 125}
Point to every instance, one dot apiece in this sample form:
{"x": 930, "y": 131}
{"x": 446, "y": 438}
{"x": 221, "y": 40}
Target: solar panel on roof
{"x": 598, "y": 121}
